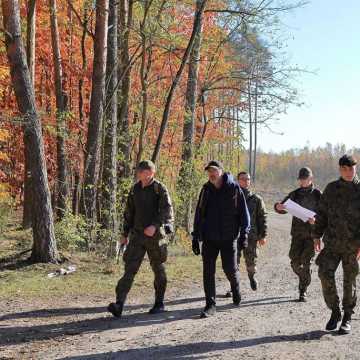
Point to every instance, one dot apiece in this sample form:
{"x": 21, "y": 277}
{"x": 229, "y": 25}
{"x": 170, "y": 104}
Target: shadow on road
{"x": 10, "y": 335}
{"x": 187, "y": 351}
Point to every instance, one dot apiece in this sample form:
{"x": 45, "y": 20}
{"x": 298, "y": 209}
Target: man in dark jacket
{"x": 222, "y": 224}
{"x": 338, "y": 222}
{"x": 148, "y": 217}
{"x": 302, "y": 246}
{"x": 258, "y": 232}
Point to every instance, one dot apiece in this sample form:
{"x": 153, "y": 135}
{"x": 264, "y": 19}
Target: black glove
{"x": 168, "y": 229}
{"x": 196, "y": 247}
{"x": 242, "y": 242}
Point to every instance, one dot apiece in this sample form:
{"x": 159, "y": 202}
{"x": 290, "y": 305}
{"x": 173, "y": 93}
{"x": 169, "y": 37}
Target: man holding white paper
{"x": 302, "y": 204}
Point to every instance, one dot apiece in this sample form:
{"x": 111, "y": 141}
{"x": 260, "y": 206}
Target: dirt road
{"x": 268, "y": 325}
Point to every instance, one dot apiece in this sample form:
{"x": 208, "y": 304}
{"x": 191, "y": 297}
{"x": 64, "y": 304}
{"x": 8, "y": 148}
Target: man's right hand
{"x": 124, "y": 240}
{"x": 196, "y": 247}
{"x": 280, "y": 207}
{"x": 317, "y": 245}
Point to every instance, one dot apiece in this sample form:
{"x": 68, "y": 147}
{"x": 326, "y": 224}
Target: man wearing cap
{"x": 338, "y": 223}
{"x": 222, "y": 224}
{"x": 148, "y": 217}
{"x": 258, "y": 232}
{"x": 301, "y": 248}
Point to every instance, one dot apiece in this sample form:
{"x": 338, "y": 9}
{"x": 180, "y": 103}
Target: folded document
{"x": 298, "y": 211}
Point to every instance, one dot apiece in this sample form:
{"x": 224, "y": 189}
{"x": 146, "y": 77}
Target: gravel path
{"x": 269, "y": 324}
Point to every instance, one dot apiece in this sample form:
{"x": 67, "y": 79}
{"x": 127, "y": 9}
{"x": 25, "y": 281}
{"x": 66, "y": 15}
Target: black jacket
{"x": 221, "y": 214}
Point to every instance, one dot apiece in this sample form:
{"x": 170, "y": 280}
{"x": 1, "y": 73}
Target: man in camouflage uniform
{"x": 338, "y": 222}
{"x": 258, "y": 232}
{"x": 148, "y": 218}
{"x": 302, "y": 246}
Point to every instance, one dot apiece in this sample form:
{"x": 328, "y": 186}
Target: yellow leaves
{"x": 4, "y": 192}
{"x": 4, "y": 135}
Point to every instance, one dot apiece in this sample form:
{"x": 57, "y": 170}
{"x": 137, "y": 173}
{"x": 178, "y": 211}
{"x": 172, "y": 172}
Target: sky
{"x": 324, "y": 37}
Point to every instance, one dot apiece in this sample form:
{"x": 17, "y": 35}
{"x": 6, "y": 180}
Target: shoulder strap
{"x": 156, "y": 188}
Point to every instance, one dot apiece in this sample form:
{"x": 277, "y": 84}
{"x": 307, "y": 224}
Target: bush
{"x": 72, "y": 232}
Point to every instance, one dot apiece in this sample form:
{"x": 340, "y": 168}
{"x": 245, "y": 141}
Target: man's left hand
{"x": 262, "y": 242}
{"x": 150, "y": 231}
{"x": 358, "y": 255}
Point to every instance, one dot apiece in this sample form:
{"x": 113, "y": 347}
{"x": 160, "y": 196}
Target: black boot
{"x": 209, "y": 310}
{"x": 253, "y": 282}
{"x": 345, "y": 327}
{"x": 334, "y": 319}
{"x": 116, "y": 309}
{"x": 157, "y": 308}
{"x": 236, "y": 298}
{"x": 302, "y": 296}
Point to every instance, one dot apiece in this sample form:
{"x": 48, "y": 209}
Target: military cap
{"x": 347, "y": 160}
{"x": 146, "y": 165}
{"x": 304, "y": 173}
{"x": 214, "y": 164}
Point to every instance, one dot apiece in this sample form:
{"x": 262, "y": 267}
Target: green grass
{"x": 95, "y": 276}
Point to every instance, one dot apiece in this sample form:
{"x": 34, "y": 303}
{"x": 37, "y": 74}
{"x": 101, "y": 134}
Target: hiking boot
{"x": 253, "y": 282}
{"x": 302, "y": 296}
{"x": 236, "y": 298}
{"x": 116, "y": 309}
{"x": 345, "y": 327}
{"x": 158, "y": 308}
{"x": 334, "y": 319}
{"x": 209, "y": 310}
{"x": 228, "y": 294}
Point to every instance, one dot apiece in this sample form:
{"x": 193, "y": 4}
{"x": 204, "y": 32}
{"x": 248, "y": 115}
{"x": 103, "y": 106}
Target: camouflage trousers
{"x": 328, "y": 262}
{"x": 250, "y": 254}
{"x": 138, "y": 246}
{"x": 301, "y": 255}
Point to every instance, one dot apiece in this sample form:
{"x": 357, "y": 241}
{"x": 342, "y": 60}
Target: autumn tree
{"x": 44, "y": 244}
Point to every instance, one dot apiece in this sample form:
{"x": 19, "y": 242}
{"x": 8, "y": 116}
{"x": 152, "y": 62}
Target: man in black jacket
{"x": 222, "y": 223}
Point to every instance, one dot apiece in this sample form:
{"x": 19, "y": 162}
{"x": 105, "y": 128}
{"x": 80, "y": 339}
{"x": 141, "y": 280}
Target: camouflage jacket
{"x": 258, "y": 216}
{"x": 147, "y": 206}
{"x": 338, "y": 216}
{"x": 308, "y": 198}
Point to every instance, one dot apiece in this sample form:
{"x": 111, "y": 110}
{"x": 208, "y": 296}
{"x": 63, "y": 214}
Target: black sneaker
{"x": 236, "y": 298}
{"x": 209, "y": 310}
{"x": 228, "y": 294}
{"x": 345, "y": 327}
{"x": 158, "y": 308}
{"x": 253, "y": 282}
{"x": 116, "y": 309}
{"x": 302, "y": 296}
{"x": 334, "y": 319}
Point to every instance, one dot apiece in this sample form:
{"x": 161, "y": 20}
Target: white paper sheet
{"x": 298, "y": 211}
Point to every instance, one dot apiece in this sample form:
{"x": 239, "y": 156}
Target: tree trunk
{"x": 185, "y": 183}
{"x": 125, "y": 23}
{"x": 61, "y": 109}
{"x": 30, "y": 57}
{"x": 77, "y": 176}
{"x": 250, "y": 127}
{"x": 93, "y": 144}
{"x": 255, "y": 131}
{"x": 44, "y": 245}
{"x": 109, "y": 175}
{"x": 196, "y": 26}
{"x": 146, "y": 61}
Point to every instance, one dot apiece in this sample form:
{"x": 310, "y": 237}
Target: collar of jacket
{"x": 356, "y": 181}
{"x": 308, "y": 188}
{"x": 228, "y": 181}
{"x": 247, "y": 193}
